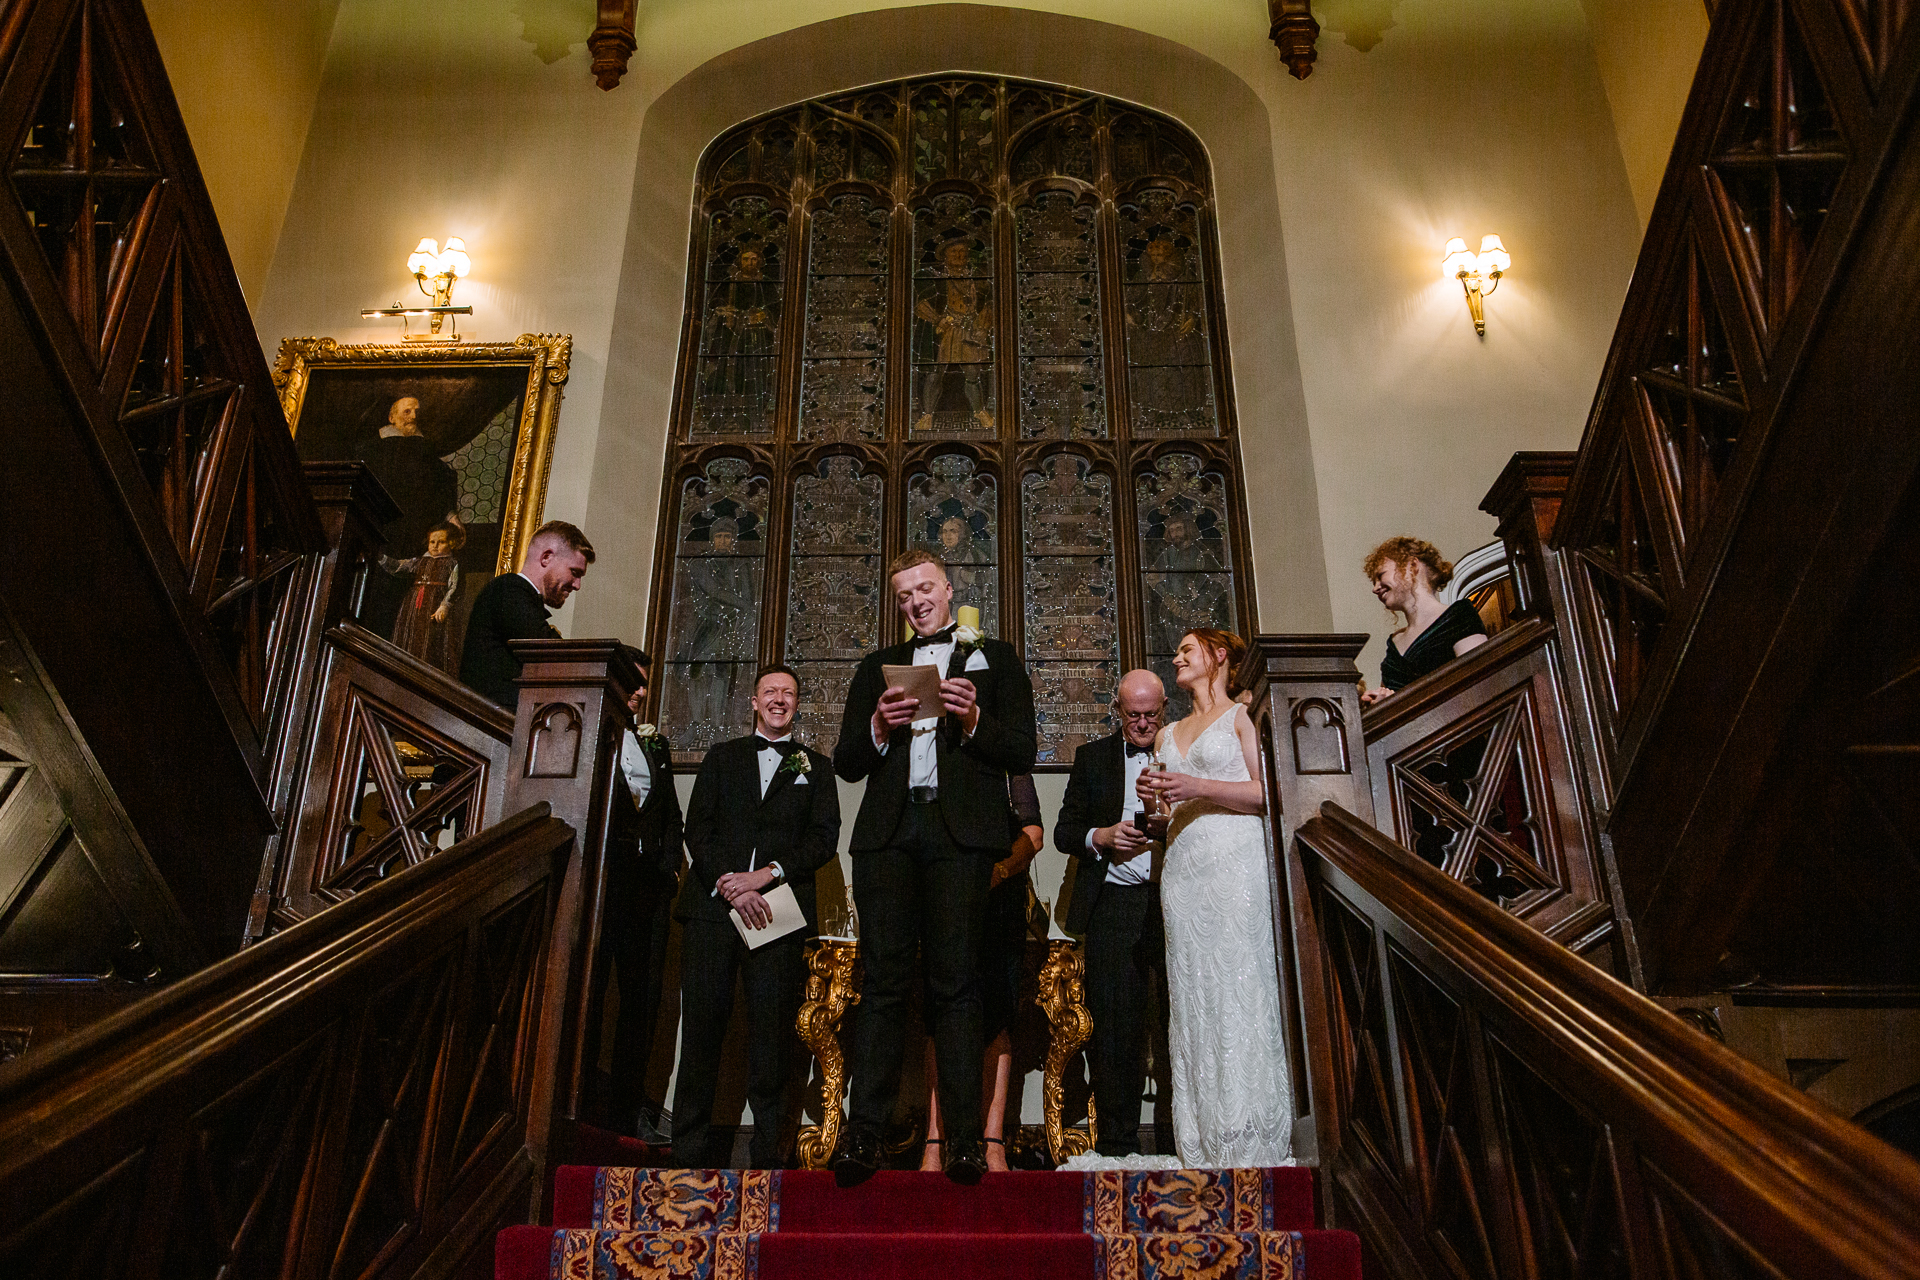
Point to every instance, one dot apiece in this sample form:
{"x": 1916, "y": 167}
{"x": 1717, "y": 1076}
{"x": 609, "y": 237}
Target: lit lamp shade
{"x": 1458, "y": 259}
{"x": 425, "y": 254}
{"x": 1493, "y": 256}
{"x": 455, "y": 258}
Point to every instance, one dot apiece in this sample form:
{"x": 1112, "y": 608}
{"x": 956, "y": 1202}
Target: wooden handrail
{"x": 1498, "y": 1042}
{"x": 359, "y": 1092}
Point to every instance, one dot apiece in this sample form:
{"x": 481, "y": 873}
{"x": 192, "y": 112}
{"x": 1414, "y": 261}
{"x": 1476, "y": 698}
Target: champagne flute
{"x": 1153, "y": 818}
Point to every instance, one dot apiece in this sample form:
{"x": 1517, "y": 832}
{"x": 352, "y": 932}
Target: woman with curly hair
{"x": 1406, "y": 573}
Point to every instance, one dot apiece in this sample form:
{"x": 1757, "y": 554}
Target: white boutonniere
{"x": 649, "y": 736}
{"x": 797, "y": 763}
{"x": 966, "y": 639}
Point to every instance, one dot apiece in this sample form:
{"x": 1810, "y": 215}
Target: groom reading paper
{"x": 931, "y": 826}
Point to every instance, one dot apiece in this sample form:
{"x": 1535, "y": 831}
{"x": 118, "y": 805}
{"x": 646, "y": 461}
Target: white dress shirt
{"x": 923, "y": 762}
{"x": 635, "y": 769}
{"x": 769, "y": 762}
{"x": 1139, "y": 868}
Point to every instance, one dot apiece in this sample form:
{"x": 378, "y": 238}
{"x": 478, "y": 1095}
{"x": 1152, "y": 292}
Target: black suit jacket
{"x": 1096, "y": 797}
{"x": 653, "y": 831}
{"x": 796, "y": 824}
{"x": 973, "y": 773}
{"x": 507, "y": 608}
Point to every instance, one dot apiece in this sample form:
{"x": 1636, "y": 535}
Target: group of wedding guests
{"x": 1174, "y": 887}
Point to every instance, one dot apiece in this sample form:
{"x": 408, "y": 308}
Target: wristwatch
{"x": 779, "y": 877}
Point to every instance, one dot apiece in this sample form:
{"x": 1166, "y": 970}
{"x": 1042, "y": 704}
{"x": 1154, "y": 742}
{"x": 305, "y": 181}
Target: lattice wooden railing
{"x": 402, "y": 762}
{"x": 1784, "y": 138}
{"x": 1487, "y": 1104}
{"x": 368, "y": 1093}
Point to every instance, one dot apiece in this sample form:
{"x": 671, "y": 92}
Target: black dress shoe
{"x": 966, "y": 1161}
{"x": 857, "y": 1155}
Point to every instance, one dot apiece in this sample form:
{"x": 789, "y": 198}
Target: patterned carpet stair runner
{"x": 630, "y": 1224}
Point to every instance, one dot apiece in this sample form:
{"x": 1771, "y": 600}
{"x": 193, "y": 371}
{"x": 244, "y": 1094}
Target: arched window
{"x": 976, "y": 315}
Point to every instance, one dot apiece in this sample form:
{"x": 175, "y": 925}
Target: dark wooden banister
{"x": 1435, "y": 690}
{"x": 449, "y": 965}
{"x": 1786, "y": 1179}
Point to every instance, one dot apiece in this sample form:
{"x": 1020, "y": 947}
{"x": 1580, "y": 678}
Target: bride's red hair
{"x": 1215, "y": 640}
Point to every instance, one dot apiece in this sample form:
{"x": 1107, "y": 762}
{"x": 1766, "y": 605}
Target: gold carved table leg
{"x": 833, "y": 984}
{"x": 1063, "y": 999}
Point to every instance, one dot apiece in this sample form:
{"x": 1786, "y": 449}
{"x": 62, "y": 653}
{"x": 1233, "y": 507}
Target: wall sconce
{"x": 1478, "y": 275}
{"x": 434, "y": 270}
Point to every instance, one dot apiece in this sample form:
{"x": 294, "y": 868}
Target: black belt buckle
{"x": 923, "y": 795}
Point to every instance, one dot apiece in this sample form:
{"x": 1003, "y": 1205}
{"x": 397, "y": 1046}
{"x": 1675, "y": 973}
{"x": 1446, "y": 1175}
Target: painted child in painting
{"x": 421, "y": 627}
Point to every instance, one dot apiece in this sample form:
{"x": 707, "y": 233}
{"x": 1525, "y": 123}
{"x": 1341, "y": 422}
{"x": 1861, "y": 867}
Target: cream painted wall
{"x": 246, "y": 74}
{"x": 1647, "y": 51}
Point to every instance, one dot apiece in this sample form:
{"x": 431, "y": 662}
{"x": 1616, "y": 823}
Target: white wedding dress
{"x": 1231, "y": 1105}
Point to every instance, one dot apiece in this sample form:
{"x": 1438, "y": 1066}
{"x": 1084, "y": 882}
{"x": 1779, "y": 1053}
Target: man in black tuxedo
{"x": 644, "y": 829}
{"x": 514, "y": 607}
{"x": 1116, "y": 905}
{"x": 931, "y": 825}
{"x": 765, "y": 811}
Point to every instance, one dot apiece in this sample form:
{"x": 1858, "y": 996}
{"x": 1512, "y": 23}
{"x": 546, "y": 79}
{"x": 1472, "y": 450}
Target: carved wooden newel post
{"x": 566, "y": 746}
{"x": 1306, "y": 703}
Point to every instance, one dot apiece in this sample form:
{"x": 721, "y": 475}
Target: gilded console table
{"x": 833, "y": 984}
{"x": 1062, "y": 997}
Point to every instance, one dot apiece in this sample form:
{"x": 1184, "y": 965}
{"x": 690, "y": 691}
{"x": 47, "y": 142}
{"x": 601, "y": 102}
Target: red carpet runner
{"x": 625, "y": 1224}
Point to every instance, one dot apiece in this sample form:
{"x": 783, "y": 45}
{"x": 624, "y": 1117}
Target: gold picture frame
{"x": 471, "y": 470}
{"x": 545, "y": 358}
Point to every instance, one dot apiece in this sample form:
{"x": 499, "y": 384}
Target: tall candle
{"x": 967, "y": 616}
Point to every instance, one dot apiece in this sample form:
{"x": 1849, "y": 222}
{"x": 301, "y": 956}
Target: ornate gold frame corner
{"x": 546, "y": 358}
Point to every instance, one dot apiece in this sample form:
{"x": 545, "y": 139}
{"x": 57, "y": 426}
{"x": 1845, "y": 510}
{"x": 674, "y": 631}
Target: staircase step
{"x": 1020, "y": 1203}
{"x": 619, "y": 1223}
{"x": 539, "y": 1253}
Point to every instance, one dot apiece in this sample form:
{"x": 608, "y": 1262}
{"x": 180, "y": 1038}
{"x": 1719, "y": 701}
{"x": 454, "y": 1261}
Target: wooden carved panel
{"x": 403, "y": 763}
{"x": 1473, "y": 770}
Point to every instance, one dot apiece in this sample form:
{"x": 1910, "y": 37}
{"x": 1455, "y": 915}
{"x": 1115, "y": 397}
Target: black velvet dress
{"x": 1433, "y": 648}
{"x": 1003, "y": 948}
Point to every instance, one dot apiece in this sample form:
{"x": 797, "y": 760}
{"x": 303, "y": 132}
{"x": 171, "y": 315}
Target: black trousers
{"x": 633, "y": 939}
{"x": 1126, "y": 946}
{"x": 921, "y": 895}
{"x": 773, "y": 978}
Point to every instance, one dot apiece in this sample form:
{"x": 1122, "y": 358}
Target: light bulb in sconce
{"x": 1479, "y": 275}
{"x": 424, "y": 258}
{"x": 454, "y": 257}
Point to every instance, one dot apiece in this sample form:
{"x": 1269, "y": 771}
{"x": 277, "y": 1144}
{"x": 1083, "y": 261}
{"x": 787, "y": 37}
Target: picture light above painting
{"x": 461, "y": 438}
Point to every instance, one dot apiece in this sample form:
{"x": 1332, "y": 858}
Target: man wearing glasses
{"x": 1116, "y": 905}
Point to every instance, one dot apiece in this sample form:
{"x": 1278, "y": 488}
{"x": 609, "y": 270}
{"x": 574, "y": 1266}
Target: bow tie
{"x": 786, "y": 746}
{"x": 942, "y": 636}
{"x": 1132, "y": 750}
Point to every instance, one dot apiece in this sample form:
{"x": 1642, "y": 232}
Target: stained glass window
{"x": 833, "y": 586}
{"x": 740, "y": 321}
{"x": 1073, "y": 616}
{"x": 953, "y": 318}
{"x": 1186, "y": 558}
{"x": 720, "y": 558}
{"x": 969, "y": 314}
{"x": 1062, "y": 381}
{"x": 844, "y": 376}
{"x": 954, "y": 511}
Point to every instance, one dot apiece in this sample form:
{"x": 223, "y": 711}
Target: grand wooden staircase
{"x": 1524, "y": 906}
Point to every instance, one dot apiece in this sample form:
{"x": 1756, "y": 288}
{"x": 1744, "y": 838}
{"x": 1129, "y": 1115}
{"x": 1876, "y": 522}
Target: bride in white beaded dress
{"x": 1231, "y": 1105}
